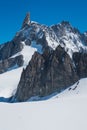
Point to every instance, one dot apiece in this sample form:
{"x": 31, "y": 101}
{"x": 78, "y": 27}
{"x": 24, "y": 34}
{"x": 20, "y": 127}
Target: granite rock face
{"x": 45, "y": 75}
{"x": 80, "y": 60}
{"x": 12, "y": 63}
{"x": 26, "y": 20}
{"x": 8, "y": 50}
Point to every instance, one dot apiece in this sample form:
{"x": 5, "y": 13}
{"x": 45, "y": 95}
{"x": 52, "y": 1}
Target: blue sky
{"x": 12, "y": 13}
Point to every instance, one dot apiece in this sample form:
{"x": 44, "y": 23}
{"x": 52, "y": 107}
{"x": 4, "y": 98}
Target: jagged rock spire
{"x": 65, "y": 23}
{"x": 26, "y": 20}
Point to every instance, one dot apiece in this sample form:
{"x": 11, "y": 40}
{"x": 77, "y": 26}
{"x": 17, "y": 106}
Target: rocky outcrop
{"x": 11, "y": 63}
{"x": 80, "y": 60}
{"x": 26, "y": 20}
{"x": 45, "y": 75}
{"x": 9, "y": 49}
{"x": 51, "y": 72}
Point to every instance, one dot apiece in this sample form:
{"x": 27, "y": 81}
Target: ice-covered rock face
{"x": 41, "y": 34}
{"x": 40, "y": 38}
{"x": 84, "y": 38}
{"x": 62, "y": 34}
{"x": 31, "y": 33}
{"x": 70, "y": 38}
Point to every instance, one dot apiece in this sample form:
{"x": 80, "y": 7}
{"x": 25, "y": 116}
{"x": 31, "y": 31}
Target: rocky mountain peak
{"x": 65, "y": 23}
{"x": 49, "y": 56}
{"x": 26, "y": 20}
{"x": 85, "y": 33}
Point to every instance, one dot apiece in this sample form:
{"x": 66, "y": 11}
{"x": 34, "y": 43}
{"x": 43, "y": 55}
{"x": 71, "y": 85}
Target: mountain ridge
{"x": 51, "y": 57}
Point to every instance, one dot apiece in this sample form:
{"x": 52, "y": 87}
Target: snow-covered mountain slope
{"x": 9, "y": 82}
{"x": 10, "y": 79}
{"x": 26, "y": 52}
{"x": 57, "y": 113}
{"x": 79, "y": 89}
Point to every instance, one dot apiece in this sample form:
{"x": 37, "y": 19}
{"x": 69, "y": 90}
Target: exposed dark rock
{"x": 84, "y": 38}
{"x": 26, "y": 20}
{"x": 43, "y": 76}
{"x": 6, "y": 51}
{"x": 9, "y": 49}
{"x": 80, "y": 60}
{"x": 11, "y": 63}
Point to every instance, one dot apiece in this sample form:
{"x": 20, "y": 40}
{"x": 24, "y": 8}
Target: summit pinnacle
{"x": 26, "y": 20}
